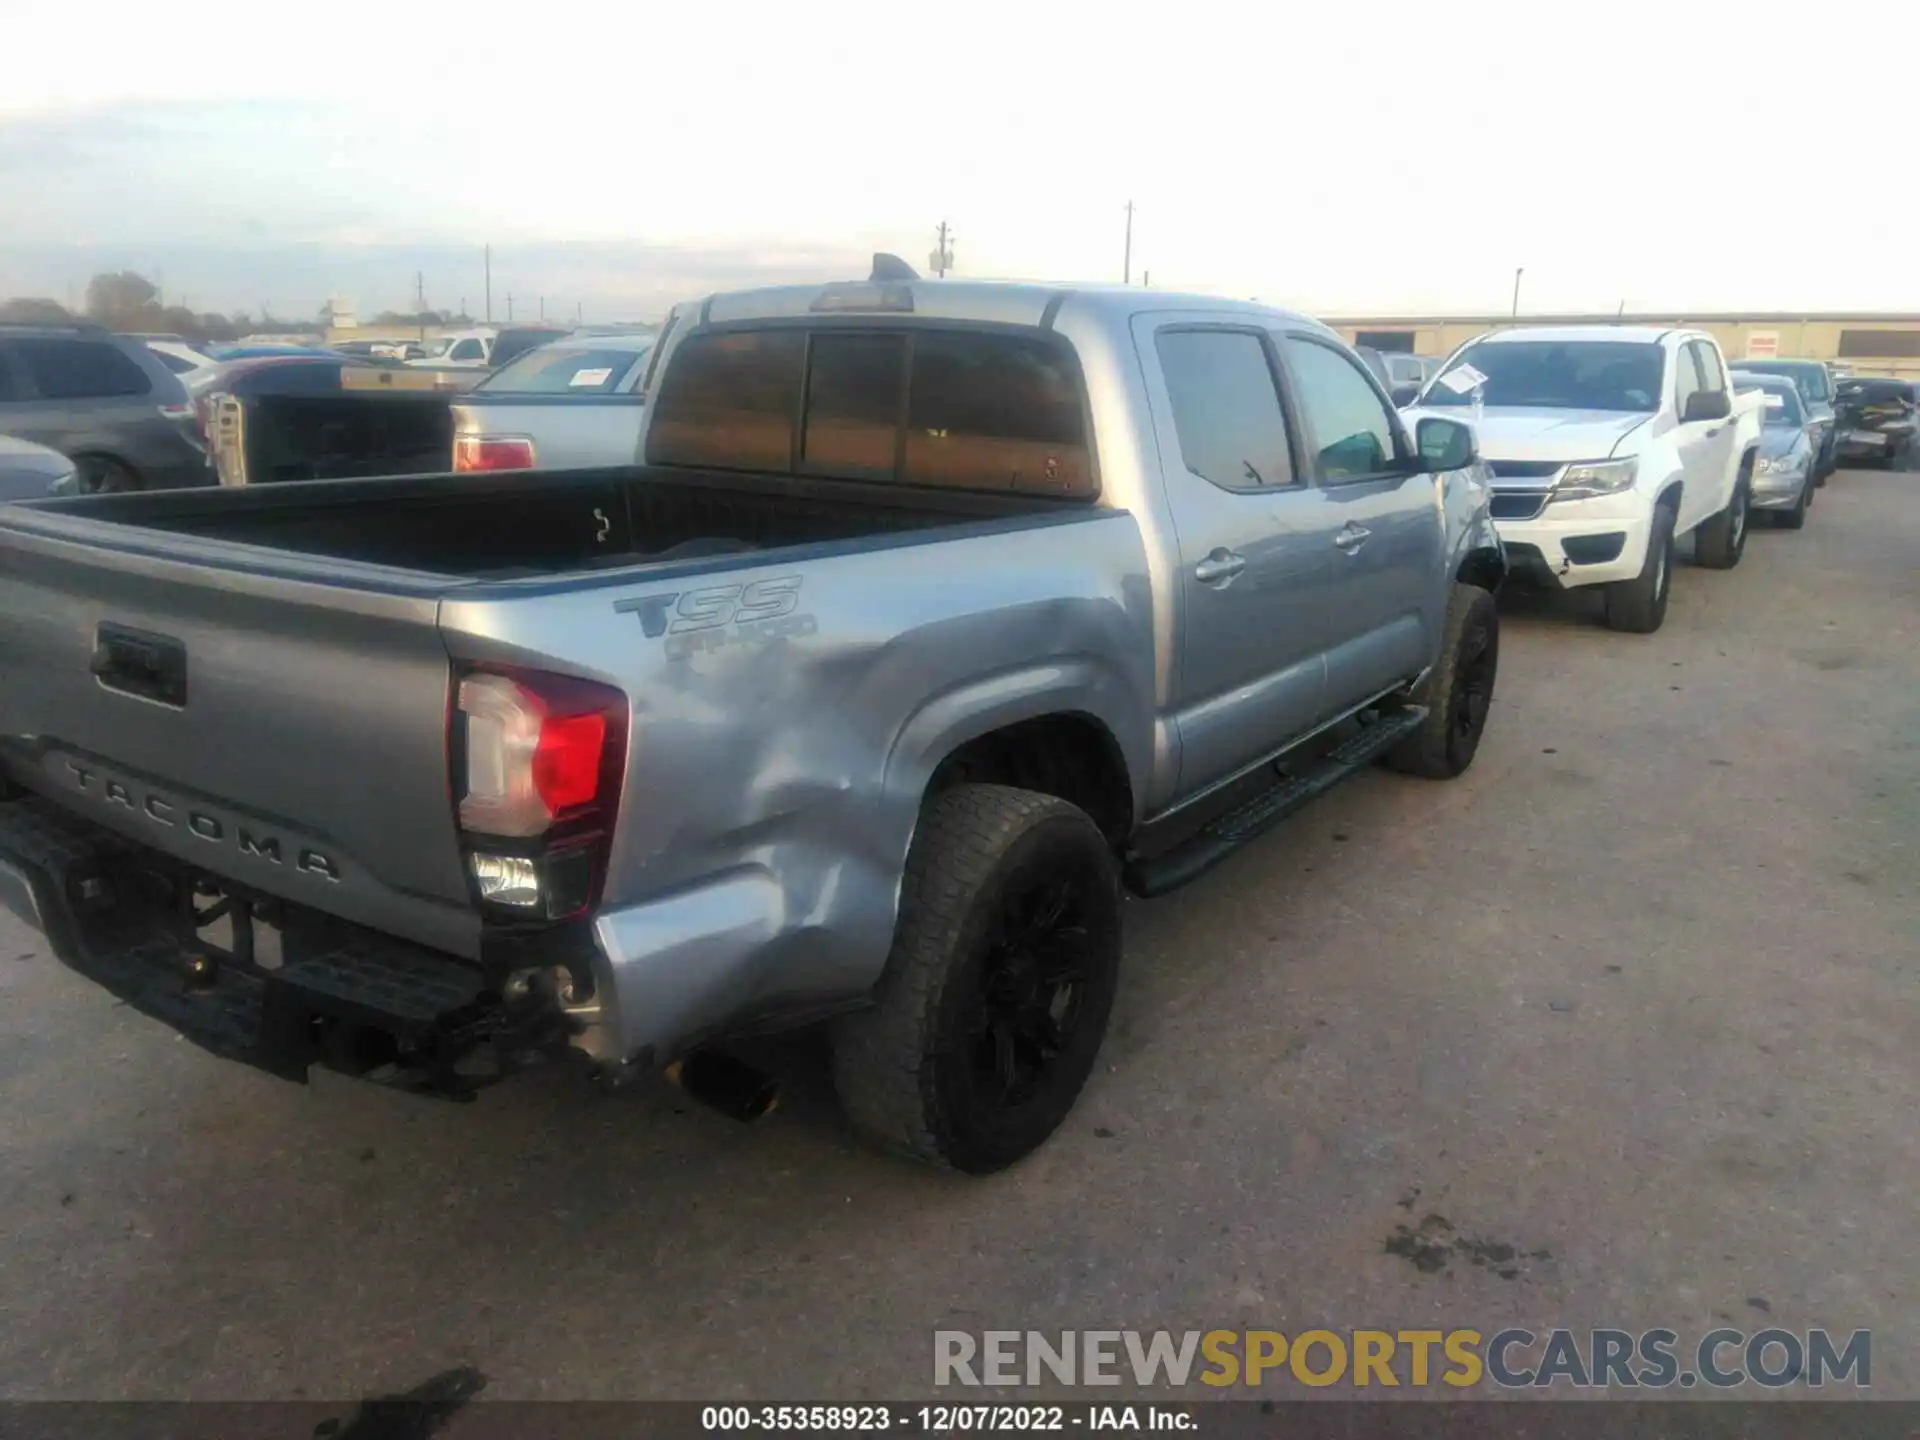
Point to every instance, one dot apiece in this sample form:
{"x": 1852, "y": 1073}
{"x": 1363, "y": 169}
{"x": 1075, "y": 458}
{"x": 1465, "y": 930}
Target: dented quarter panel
{"x": 780, "y": 764}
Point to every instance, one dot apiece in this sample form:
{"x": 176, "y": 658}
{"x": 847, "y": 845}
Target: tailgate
{"x": 249, "y": 717}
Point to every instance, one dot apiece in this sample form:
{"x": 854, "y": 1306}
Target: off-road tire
{"x": 903, "y": 1069}
{"x": 1458, "y": 692}
{"x": 1639, "y": 606}
{"x": 1722, "y": 540}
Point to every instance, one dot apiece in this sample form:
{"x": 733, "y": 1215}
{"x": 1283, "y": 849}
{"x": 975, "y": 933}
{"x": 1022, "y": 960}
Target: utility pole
{"x": 543, "y": 307}
{"x": 579, "y": 312}
{"x": 420, "y": 302}
{"x": 1146, "y": 279}
{"x": 489, "y": 284}
{"x": 1622, "y": 310}
{"x": 1126, "y": 264}
{"x": 509, "y": 307}
{"x": 942, "y": 256}
{"x": 1516, "y": 291}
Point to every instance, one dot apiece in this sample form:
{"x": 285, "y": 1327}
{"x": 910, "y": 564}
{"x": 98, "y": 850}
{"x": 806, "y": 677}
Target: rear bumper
{"x": 282, "y": 988}
{"x": 248, "y": 978}
{"x": 1871, "y": 444}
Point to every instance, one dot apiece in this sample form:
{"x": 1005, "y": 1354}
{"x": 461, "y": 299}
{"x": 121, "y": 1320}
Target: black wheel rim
{"x": 1473, "y": 684}
{"x": 1031, "y": 992}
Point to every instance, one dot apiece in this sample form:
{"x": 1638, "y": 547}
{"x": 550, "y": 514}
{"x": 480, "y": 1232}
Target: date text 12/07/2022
{"x": 943, "y": 1419}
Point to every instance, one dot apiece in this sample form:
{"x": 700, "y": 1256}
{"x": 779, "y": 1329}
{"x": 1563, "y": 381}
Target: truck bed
{"x": 256, "y": 681}
{"x": 517, "y": 525}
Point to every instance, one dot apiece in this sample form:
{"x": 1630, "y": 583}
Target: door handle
{"x": 1352, "y": 538}
{"x": 1219, "y": 567}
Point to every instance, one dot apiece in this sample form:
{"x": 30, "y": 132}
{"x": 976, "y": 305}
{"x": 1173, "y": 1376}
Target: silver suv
{"x": 103, "y": 400}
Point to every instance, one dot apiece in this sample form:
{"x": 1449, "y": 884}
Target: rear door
{"x": 1256, "y": 556}
{"x": 1377, "y": 514}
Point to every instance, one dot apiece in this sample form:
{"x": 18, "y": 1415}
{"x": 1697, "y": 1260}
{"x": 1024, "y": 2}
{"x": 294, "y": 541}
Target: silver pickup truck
{"x": 936, "y": 615}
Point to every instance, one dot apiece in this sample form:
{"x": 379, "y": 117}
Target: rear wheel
{"x": 101, "y": 475}
{"x": 1458, "y": 692}
{"x": 995, "y": 998}
{"x": 1723, "y": 540}
{"x": 1639, "y": 606}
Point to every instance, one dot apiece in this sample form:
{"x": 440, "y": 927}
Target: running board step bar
{"x": 1193, "y": 858}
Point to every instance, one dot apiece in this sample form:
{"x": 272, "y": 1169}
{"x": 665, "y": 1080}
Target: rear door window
{"x": 467, "y": 350}
{"x": 728, "y": 401}
{"x": 60, "y": 369}
{"x": 1226, "y": 407}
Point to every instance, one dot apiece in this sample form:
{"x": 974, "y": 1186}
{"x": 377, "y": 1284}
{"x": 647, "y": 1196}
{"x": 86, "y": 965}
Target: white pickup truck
{"x": 1606, "y": 443}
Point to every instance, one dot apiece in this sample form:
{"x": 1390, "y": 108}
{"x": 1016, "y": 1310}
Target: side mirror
{"x": 1403, "y": 395}
{"x": 1707, "y": 405}
{"x": 1445, "y": 444}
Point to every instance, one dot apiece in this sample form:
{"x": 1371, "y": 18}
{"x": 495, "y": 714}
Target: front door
{"x": 1705, "y": 446}
{"x": 1257, "y": 559}
{"x": 1383, "y": 520}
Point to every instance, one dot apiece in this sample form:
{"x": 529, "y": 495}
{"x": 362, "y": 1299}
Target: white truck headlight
{"x": 1782, "y": 464}
{"x": 1587, "y": 478}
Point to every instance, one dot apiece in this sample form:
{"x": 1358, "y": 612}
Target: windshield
{"x": 552, "y": 370}
{"x": 1811, "y": 379}
{"x": 434, "y": 349}
{"x": 1557, "y": 375}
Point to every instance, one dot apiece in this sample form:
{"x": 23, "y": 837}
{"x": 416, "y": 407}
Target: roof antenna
{"x": 891, "y": 267}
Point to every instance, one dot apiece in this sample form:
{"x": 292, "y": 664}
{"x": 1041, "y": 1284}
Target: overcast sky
{"x": 1344, "y": 157}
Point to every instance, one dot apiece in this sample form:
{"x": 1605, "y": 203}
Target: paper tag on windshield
{"x": 591, "y": 377}
{"x": 1775, "y": 402}
{"x": 1462, "y": 378}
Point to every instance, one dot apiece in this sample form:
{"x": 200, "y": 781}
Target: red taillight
{"x": 566, "y": 761}
{"x": 492, "y": 452}
{"x": 536, "y": 749}
{"x": 538, "y": 762}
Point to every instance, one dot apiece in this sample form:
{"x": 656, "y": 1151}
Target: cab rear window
{"x": 957, "y": 409}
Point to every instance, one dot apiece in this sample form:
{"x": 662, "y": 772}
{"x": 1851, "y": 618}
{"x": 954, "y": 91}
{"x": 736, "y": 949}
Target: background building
{"x": 1860, "y": 343}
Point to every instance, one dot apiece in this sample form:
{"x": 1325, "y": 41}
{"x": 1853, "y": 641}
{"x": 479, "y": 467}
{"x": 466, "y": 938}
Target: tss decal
{"x": 695, "y": 620}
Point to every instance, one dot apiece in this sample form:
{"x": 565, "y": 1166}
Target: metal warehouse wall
{"x": 1863, "y": 344}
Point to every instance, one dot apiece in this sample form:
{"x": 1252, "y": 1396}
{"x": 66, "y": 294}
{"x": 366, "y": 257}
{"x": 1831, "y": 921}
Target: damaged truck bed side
{"x": 932, "y": 615}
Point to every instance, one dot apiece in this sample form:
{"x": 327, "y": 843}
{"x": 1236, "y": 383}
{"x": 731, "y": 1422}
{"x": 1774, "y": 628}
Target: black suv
{"x": 103, "y": 400}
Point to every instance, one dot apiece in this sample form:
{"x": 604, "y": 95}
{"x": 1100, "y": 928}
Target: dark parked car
{"x": 105, "y": 401}
{"x": 29, "y": 471}
{"x": 1815, "y": 381}
{"x": 1876, "y": 419}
